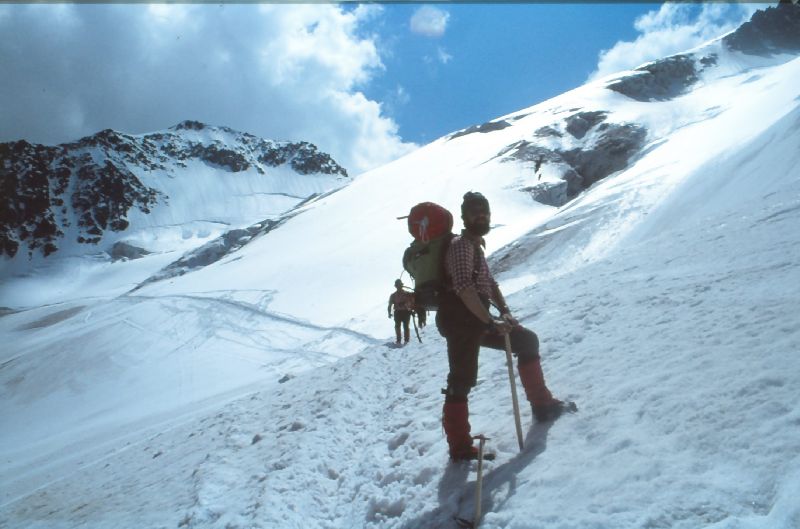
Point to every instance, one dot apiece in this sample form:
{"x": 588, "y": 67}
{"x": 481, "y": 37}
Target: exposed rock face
{"x": 123, "y": 250}
{"x": 774, "y": 30}
{"x": 548, "y": 131}
{"x": 549, "y": 193}
{"x": 103, "y": 196}
{"x": 490, "y": 126}
{"x": 26, "y": 207}
{"x": 610, "y": 153}
{"x": 525, "y": 151}
{"x": 579, "y": 124}
{"x": 659, "y": 81}
{"x": 303, "y": 157}
{"x": 45, "y": 188}
{"x": 89, "y": 186}
{"x": 769, "y": 32}
{"x": 607, "y": 148}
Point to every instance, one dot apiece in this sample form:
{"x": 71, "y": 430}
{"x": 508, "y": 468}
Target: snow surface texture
{"x": 259, "y": 391}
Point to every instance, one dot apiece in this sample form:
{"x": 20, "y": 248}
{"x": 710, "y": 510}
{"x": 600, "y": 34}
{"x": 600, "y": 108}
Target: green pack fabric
{"x": 424, "y": 261}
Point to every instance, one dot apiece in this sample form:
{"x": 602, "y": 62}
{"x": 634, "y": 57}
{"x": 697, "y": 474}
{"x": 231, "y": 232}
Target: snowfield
{"x": 261, "y": 392}
{"x": 683, "y": 360}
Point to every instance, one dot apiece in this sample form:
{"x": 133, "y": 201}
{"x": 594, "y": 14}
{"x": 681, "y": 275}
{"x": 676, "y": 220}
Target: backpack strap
{"x": 476, "y": 264}
{"x": 447, "y": 281}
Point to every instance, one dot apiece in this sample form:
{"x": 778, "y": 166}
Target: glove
{"x": 508, "y": 318}
{"x": 390, "y": 315}
{"x": 498, "y": 326}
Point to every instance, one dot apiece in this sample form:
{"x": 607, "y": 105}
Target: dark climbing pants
{"x": 465, "y": 335}
{"x": 402, "y": 317}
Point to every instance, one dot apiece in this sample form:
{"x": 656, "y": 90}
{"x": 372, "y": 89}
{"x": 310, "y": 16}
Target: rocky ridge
{"x": 87, "y": 188}
{"x": 770, "y": 32}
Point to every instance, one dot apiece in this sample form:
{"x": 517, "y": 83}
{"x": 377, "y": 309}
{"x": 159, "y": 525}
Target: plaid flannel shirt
{"x": 460, "y": 264}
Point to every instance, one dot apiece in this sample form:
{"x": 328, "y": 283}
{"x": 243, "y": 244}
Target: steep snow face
{"x": 718, "y": 160}
{"x": 632, "y": 154}
{"x": 155, "y": 190}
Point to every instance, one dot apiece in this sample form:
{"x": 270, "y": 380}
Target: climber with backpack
{"x": 403, "y": 303}
{"x": 458, "y": 284}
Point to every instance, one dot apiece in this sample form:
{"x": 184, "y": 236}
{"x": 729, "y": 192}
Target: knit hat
{"x": 474, "y": 199}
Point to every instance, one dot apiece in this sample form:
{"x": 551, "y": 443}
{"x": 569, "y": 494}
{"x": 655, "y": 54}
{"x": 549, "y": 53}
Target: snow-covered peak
{"x": 85, "y": 196}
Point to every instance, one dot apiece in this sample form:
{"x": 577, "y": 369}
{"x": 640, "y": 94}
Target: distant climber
{"x": 403, "y": 303}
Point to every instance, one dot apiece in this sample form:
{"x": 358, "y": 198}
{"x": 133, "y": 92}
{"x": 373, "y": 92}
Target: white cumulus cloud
{"x": 671, "y": 29}
{"x": 429, "y": 21}
{"x": 285, "y": 72}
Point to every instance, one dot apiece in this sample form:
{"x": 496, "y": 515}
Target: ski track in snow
{"x": 261, "y": 312}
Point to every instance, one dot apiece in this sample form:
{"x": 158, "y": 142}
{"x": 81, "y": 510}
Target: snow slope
{"x": 258, "y": 392}
{"x": 683, "y": 361}
{"x": 356, "y": 237}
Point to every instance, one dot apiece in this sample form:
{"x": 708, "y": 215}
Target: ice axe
{"x": 513, "y": 383}
{"x": 416, "y": 330}
{"x": 514, "y": 400}
{"x": 478, "y": 487}
{"x": 479, "y": 481}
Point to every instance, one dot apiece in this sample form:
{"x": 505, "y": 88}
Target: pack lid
{"x": 428, "y": 220}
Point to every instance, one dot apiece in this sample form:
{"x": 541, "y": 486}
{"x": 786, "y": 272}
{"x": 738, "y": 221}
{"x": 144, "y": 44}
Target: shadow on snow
{"x": 457, "y": 497}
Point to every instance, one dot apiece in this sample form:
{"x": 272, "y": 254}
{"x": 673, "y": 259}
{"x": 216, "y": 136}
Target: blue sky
{"x": 500, "y": 58}
{"x": 365, "y": 82}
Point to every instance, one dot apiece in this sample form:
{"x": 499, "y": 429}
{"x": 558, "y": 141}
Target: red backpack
{"x": 431, "y": 225}
{"x": 427, "y": 221}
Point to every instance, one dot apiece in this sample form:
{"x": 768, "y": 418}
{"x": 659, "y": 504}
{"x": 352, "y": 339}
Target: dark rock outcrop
{"x": 610, "y": 148}
{"x": 26, "y": 209}
{"x": 219, "y": 156}
{"x": 490, "y": 126}
{"x": 124, "y": 250}
{"x": 549, "y": 193}
{"x": 525, "y": 151}
{"x": 611, "y": 153}
{"x": 769, "y": 32}
{"x": 103, "y": 196}
{"x": 548, "y": 131}
{"x": 579, "y": 124}
{"x": 303, "y": 157}
{"x": 659, "y": 81}
{"x": 772, "y": 31}
{"x": 45, "y": 189}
